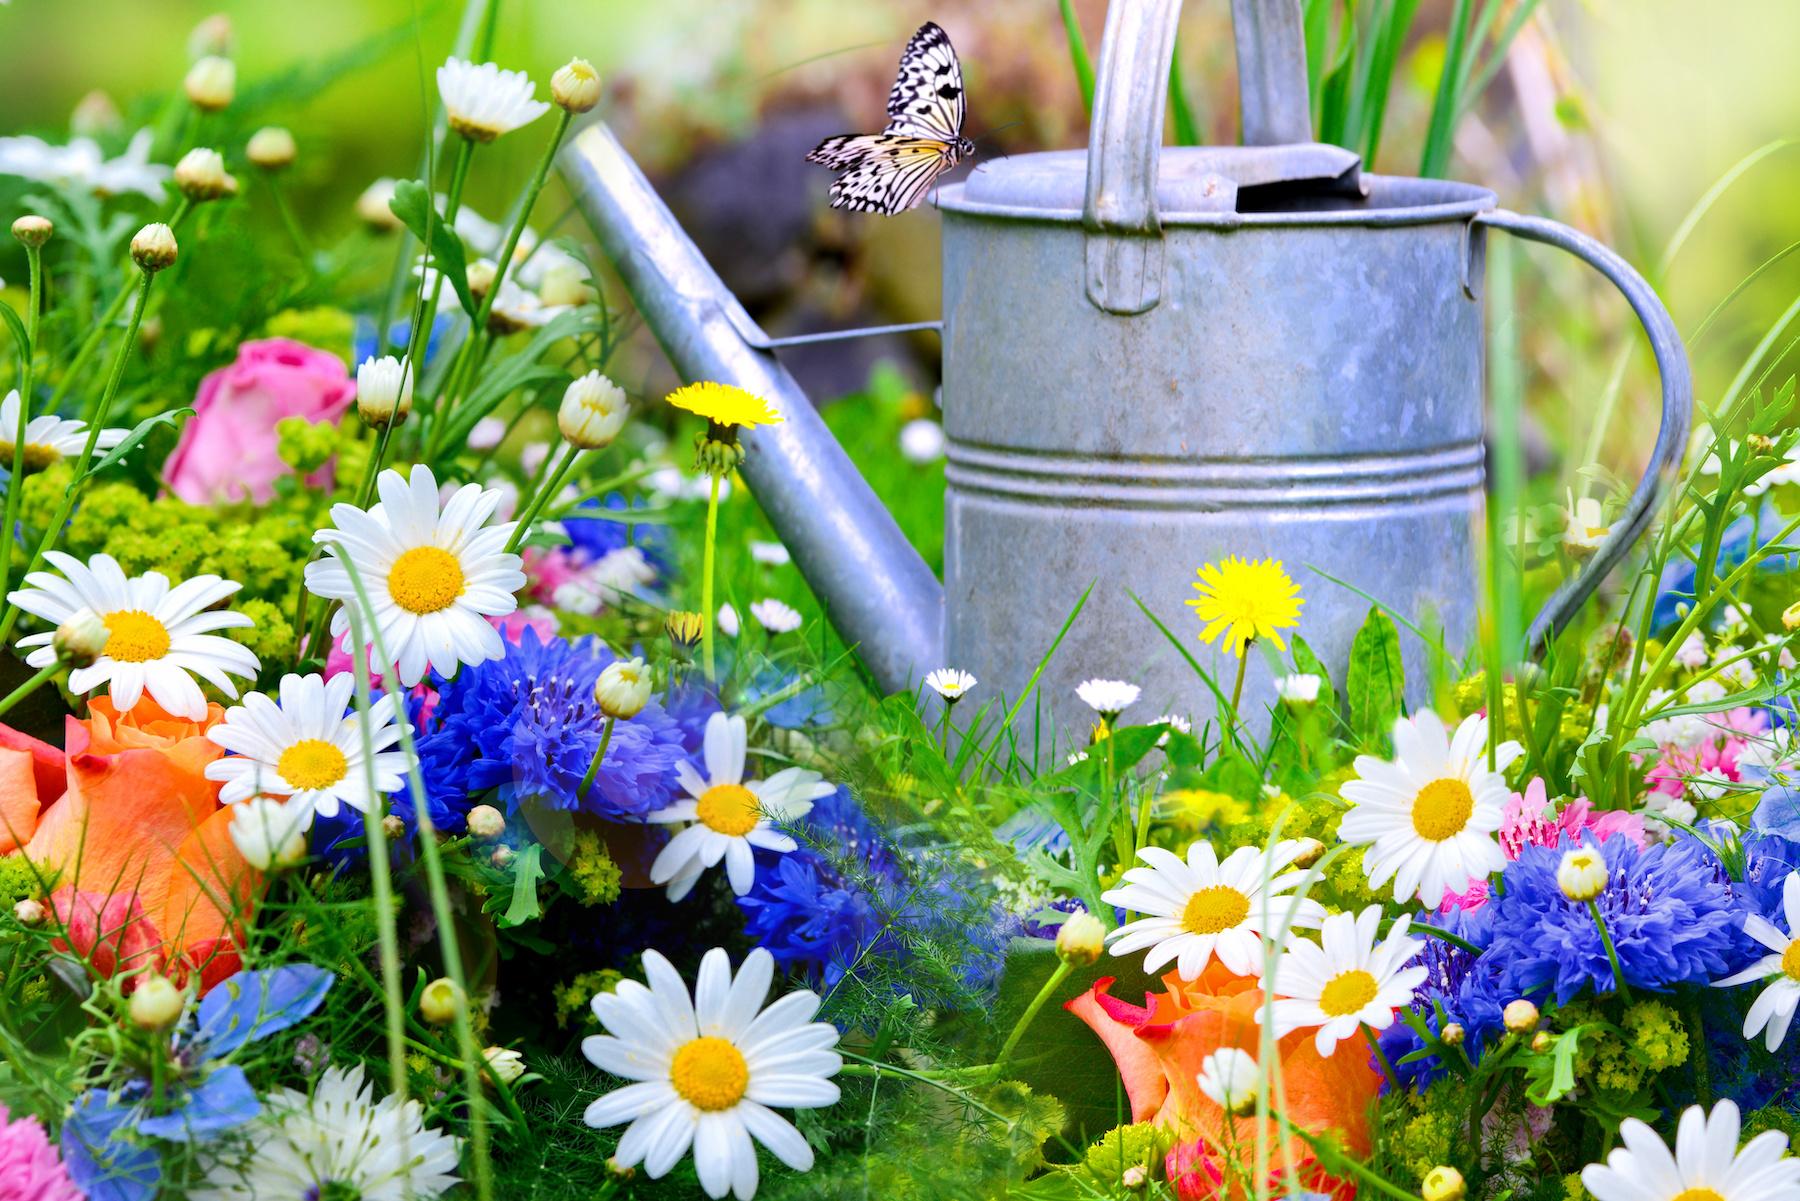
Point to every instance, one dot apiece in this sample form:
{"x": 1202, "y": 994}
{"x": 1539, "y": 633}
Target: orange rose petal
{"x": 1116, "y": 1023}
{"x": 210, "y": 887}
{"x": 18, "y": 799}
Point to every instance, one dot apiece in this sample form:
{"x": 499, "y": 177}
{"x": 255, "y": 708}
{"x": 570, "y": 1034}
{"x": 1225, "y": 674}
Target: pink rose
{"x": 227, "y": 449}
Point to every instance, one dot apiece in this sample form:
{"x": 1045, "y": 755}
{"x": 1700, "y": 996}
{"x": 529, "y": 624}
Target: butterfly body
{"x": 892, "y": 171}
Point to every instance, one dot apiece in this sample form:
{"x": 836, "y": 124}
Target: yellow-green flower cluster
{"x": 574, "y": 997}
{"x": 592, "y": 871}
{"x": 1434, "y": 1133}
{"x": 1142, "y": 1145}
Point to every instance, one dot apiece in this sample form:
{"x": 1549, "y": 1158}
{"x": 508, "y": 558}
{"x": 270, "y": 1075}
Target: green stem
{"x": 97, "y": 334}
{"x": 1381, "y": 1056}
{"x": 288, "y": 219}
{"x": 708, "y": 617}
{"x": 593, "y": 770}
{"x": 425, "y": 308}
{"x": 29, "y": 686}
{"x": 1703, "y": 1090}
{"x": 1612, "y": 956}
{"x": 549, "y": 489}
{"x": 1237, "y": 689}
{"x": 1031, "y": 1011}
{"x": 15, "y": 485}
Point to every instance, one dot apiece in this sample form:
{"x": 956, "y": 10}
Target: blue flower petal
{"x": 224, "y": 1100}
{"x": 253, "y": 1005}
{"x": 100, "y": 1161}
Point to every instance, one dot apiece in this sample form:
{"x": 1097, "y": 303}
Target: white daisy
{"x": 338, "y": 1142}
{"x": 483, "y": 101}
{"x": 729, "y": 816}
{"x": 47, "y": 436}
{"x": 1773, "y": 1010}
{"x": 1432, "y": 812}
{"x": 777, "y": 617}
{"x": 1230, "y": 1079}
{"x": 770, "y": 554}
{"x": 922, "y": 440}
{"x": 433, "y": 579}
{"x": 1347, "y": 979}
{"x": 1202, "y": 907}
{"x": 156, "y": 635}
{"x": 706, "y": 1070}
{"x": 1301, "y": 688}
{"x": 82, "y": 164}
{"x": 951, "y": 683}
{"x": 728, "y": 620}
{"x": 1706, "y": 1164}
{"x": 1109, "y": 698}
{"x": 309, "y": 746}
{"x": 1175, "y": 722}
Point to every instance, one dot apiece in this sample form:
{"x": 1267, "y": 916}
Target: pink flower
{"x": 227, "y": 450}
{"x": 1529, "y": 821}
{"x": 30, "y": 1168}
{"x": 1715, "y": 755}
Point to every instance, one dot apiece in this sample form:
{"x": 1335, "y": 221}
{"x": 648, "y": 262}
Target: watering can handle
{"x": 1124, "y": 245}
{"x": 1671, "y": 438}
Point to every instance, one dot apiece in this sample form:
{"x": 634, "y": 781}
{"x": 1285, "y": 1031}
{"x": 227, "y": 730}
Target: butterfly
{"x": 890, "y": 172}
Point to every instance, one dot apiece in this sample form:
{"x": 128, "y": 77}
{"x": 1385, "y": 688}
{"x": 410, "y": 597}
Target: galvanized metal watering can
{"x": 1154, "y": 358}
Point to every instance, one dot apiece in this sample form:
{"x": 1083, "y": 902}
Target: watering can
{"x": 1154, "y": 358}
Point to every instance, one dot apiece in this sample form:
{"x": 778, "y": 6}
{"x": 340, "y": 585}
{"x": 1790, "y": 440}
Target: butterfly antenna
{"x": 990, "y": 133}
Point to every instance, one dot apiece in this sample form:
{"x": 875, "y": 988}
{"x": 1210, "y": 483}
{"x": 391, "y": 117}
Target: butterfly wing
{"x": 927, "y": 99}
{"x": 847, "y": 150}
{"x": 889, "y": 174}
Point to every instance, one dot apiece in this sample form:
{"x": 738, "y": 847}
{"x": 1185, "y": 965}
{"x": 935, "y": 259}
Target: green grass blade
{"x": 1078, "y": 54}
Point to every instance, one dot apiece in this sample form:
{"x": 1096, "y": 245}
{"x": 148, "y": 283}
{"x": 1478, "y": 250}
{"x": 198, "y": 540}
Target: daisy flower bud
{"x": 1790, "y": 616}
{"x": 375, "y": 209}
{"x": 1079, "y": 940}
{"x": 95, "y": 114}
{"x": 271, "y": 148}
{"x": 80, "y": 640}
{"x": 384, "y": 391}
{"x": 1582, "y": 874}
{"x": 153, "y": 247}
{"x": 201, "y": 176}
{"x": 1229, "y": 1077}
{"x": 1540, "y": 1042}
{"x": 156, "y": 1003}
{"x": 481, "y": 275}
{"x": 576, "y": 87}
{"x": 485, "y": 821}
{"x": 502, "y": 857}
{"x": 593, "y": 412}
{"x": 1520, "y": 1016}
{"x": 505, "y": 1064}
{"x": 393, "y": 827}
{"x": 565, "y": 284}
{"x": 439, "y": 1003}
{"x": 1452, "y": 1034}
{"x": 623, "y": 689}
{"x": 33, "y": 230}
{"x": 269, "y": 833}
{"x": 29, "y": 913}
{"x": 1135, "y": 1177}
{"x": 213, "y": 35}
{"x": 1443, "y": 1183}
{"x": 211, "y": 83}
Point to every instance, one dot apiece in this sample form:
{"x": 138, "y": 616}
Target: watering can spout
{"x": 876, "y": 589}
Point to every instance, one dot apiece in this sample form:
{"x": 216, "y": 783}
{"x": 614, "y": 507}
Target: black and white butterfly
{"x": 891, "y": 171}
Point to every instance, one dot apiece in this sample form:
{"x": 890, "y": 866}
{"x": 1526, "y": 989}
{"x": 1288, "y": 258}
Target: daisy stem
{"x": 593, "y": 770}
{"x": 708, "y": 617}
{"x": 533, "y": 510}
{"x": 29, "y": 686}
{"x": 1031, "y": 1011}
{"x": 1612, "y": 956}
{"x": 53, "y": 531}
{"x": 14, "y": 487}
{"x": 425, "y": 307}
{"x": 288, "y": 219}
{"x": 1703, "y": 1090}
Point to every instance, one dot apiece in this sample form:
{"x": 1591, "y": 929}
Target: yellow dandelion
{"x": 1245, "y": 600}
{"x": 723, "y": 404}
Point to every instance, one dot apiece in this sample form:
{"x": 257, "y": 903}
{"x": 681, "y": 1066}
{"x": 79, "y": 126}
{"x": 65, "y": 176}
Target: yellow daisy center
{"x": 38, "y": 455}
{"x": 1442, "y": 809}
{"x": 426, "y": 579}
{"x": 312, "y": 763}
{"x": 1697, "y": 1194}
{"x": 1790, "y": 960}
{"x": 730, "y": 809}
{"x": 133, "y": 636}
{"x": 710, "y": 1074}
{"x": 1215, "y": 908}
{"x": 1347, "y": 993}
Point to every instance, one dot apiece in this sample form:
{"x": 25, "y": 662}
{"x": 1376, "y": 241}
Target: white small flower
{"x": 487, "y": 433}
{"x": 951, "y": 683}
{"x": 706, "y": 1069}
{"x": 1706, "y": 1165}
{"x": 1692, "y": 652}
{"x": 516, "y": 308}
{"x": 728, "y": 621}
{"x": 1586, "y": 526}
{"x": 1739, "y": 675}
{"x": 728, "y": 817}
{"x": 770, "y": 554}
{"x": 1659, "y": 806}
{"x": 1077, "y": 757}
{"x": 80, "y": 164}
{"x": 270, "y": 833}
{"x": 922, "y": 440}
{"x": 375, "y": 206}
{"x": 309, "y": 746}
{"x": 158, "y": 638}
{"x": 1773, "y": 1010}
{"x": 504, "y": 1063}
{"x": 1231, "y": 1080}
{"x": 1301, "y": 688}
{"x": 484, "y": 102}
{"x": 671, "y": 484}
{"x": 48, "y": 437}
{"x": 532, "y": 456}
{"x": 1705, "y": 692}
{"x": 1109, "y": 698}
{"x": 211, "y": 83}
{"x": 384, "y": 390}
{"x": 1175, "y": 722}
{"x": 777, "y": 617}
{"x": 1350, "y": 981}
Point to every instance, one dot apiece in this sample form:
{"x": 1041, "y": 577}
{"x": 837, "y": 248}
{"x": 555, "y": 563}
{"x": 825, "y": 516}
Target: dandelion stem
{"x": 29, "y": 686}
{"x": 593, "y": 770}
{"x": 1237, "y": 689}
{"x": 707, "y": 616}
{"x": 1612, "y": 956}
{"x": 1031, "y": 1011}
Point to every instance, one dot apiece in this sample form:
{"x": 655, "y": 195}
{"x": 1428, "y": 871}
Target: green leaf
{"x": 20, "y": 338}
{"x": 527, "y": 871}
{"x": 1308, "y": 663}
{"x": 1552, "y": 1075}
{"x": 1376, "y": 682}
{"x": 412, "y": 204}
{"x": 138, "y": 433}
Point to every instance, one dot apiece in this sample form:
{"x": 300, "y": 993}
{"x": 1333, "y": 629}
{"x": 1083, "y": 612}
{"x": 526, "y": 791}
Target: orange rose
{"x": 146, "y": 870}
{"x": 1159, "y": 1046}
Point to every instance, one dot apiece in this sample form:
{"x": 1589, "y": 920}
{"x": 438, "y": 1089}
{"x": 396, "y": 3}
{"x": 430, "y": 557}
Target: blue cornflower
{"x": 206, "y": 1096}
{"x": 1668, "y": 909}
{"x": 526, "y": 727}
{"x": 806, "y": 707}
{"x": 599, "y": 537}
{"x": 1465, "y": 984}
{"x": 363, "y": 341}
{"x": 1675, "y": 588}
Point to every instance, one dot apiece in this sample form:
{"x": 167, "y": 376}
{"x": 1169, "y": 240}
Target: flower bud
{"x": 155, "y": 1003}
{"x": 1230, "y": 1079}
{"x": 201, "y": 176}
{"x": 268, "y": 833}
{"x": 1452, "y": 1034}
{"x": 95, "y": 114}
{"x": 565, "y": 284}
{"x": 1520, "y": 1016}
{"x": 592, "y": 413}
{"x": 441, "y": 1001}
{"x": 1582, "y": 874}
{"x": 1308, "y": 852}
{"x": 502, "y": 857}
{"x": 1080, "y": 939}
{"x": 505, "y": 1064}
{"x": 1443, "y": 1183}
{"x": 1790, "y": 616}
{"x": 271, "y": 148}
{"x": 211, "y": 83}
{"x": 1135, "y": 1177}
{"x": 374, "y": 207}
{"x": 33, "y": 230}
{"x": 213, "y": 35}
{"x": 393, "y": 827}
{"x": 153, "y": 247}
{"x": 486, "y": 822}
{"x": 29, "y": 913}
{"x": 576, "y": 86}
{"x": 623, "y": 689}
{"x": 481, "y": 275}
{"x": 1540, "y": 1042}
{"x": 684, "y": 629}
{"x": 384, "y": 391}
{"x": 80, "y": 640}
